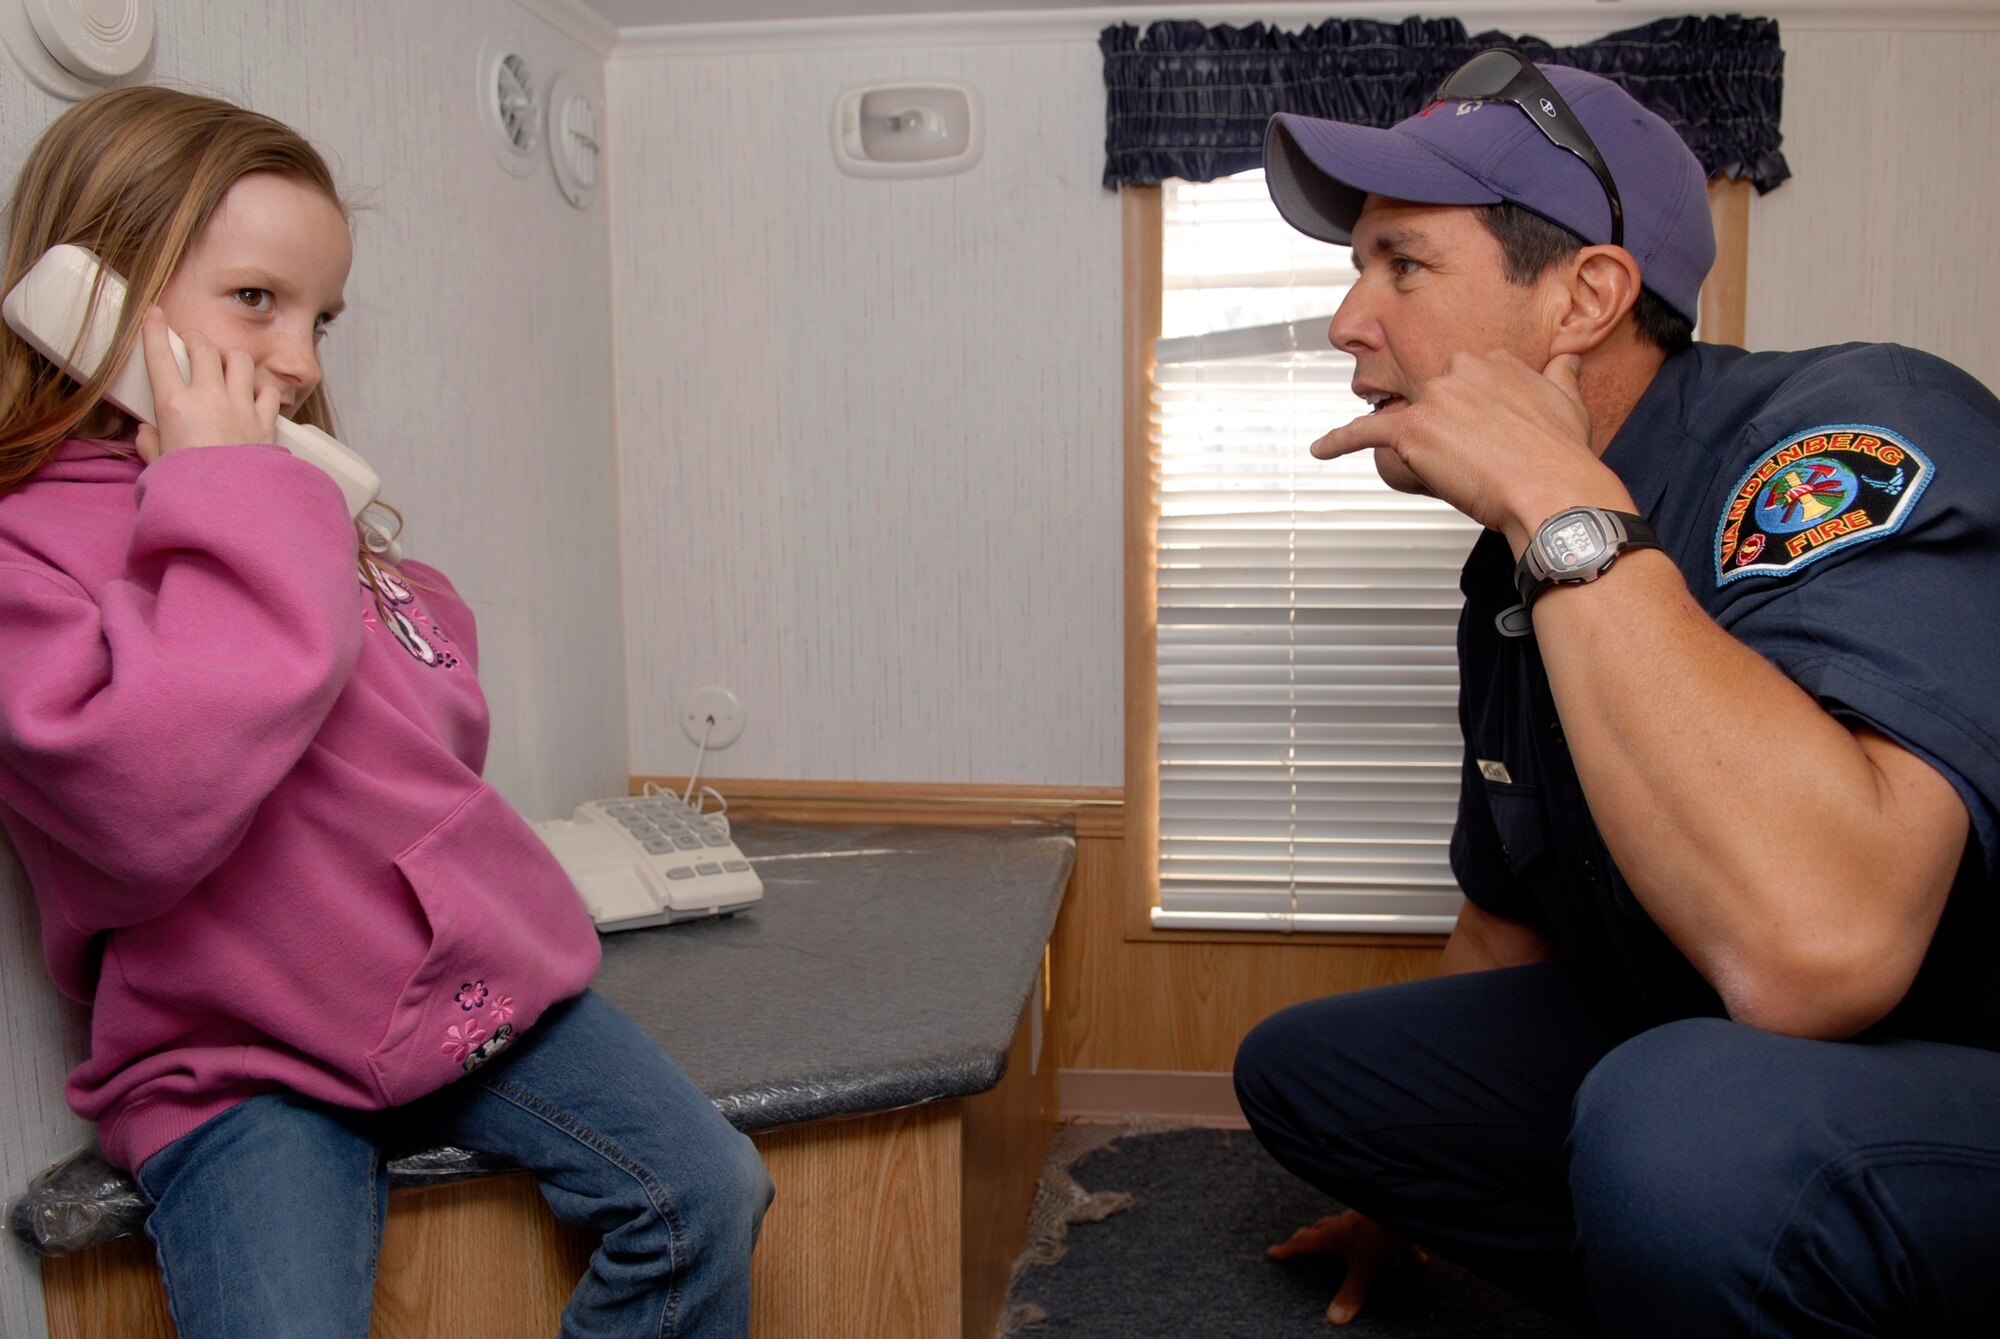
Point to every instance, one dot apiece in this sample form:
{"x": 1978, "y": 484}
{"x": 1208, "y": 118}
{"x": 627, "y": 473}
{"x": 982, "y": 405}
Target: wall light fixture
{"x": 919, "y": 128}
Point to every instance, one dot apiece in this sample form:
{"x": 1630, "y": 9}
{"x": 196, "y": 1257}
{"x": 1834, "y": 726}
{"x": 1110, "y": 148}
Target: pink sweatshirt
{"x": 250, "y": 805}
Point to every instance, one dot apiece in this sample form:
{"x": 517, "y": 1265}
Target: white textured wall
{"x": 45, "y": 1037}
{"x": 472, "y": 368}
{"x": 1885, "y": 231}
{"x": 869, "y": 429}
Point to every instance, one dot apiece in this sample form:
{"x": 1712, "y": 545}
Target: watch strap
{"x": 1533, "y": 574}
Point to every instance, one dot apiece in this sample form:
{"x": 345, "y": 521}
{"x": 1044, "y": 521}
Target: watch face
{"x": 1573, "y": 544}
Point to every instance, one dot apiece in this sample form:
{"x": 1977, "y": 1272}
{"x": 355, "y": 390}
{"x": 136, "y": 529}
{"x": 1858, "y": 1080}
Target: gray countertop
{"x": 885, "y": 965}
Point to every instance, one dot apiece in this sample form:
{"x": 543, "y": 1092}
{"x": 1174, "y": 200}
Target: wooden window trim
{"x": 1722, "y": 305}
{"x": 1143, "y": 288}
{"x": 1724, "y": 292}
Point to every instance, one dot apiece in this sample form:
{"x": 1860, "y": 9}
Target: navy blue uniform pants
{"x": 1700, "y": 1178}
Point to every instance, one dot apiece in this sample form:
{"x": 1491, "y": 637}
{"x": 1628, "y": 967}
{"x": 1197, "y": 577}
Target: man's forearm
{"x": 1814, "y": 931}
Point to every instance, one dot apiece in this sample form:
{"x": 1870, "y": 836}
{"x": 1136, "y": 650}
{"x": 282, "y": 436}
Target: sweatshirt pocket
{"x": 509, "y": 937}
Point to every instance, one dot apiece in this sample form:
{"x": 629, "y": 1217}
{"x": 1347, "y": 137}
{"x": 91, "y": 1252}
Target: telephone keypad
{"x": 690, "y": 865}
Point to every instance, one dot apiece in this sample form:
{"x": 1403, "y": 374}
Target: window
{"x": 1308, "y": 741}
{"x": 1291, "y": 738}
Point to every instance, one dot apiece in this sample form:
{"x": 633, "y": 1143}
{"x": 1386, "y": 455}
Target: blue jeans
{"x": 268, "y": 1217}
{"x": 1698, "y": 1179}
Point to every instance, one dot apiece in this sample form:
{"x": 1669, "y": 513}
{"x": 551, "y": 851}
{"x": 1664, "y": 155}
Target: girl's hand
{"x": 219, "y": 403}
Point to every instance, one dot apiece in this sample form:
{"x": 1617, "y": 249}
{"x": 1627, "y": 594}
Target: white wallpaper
{"x": 46, "y": 1037}
{"x": 869, "y": 429}
{"x": 1885, "y": 230}
{"x": 472, "y": 368}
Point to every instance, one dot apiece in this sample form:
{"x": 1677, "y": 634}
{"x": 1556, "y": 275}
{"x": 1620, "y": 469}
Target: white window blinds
{"x": 1309, "y": 740}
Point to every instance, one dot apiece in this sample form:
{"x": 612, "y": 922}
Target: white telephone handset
{"x": 48, "y": 310}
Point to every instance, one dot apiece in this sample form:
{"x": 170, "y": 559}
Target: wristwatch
{"x": 1578, "y": 545}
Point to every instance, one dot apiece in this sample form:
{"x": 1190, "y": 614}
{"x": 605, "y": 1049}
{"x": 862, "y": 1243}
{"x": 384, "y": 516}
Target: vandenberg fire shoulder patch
{"x": 1821, "y": 491}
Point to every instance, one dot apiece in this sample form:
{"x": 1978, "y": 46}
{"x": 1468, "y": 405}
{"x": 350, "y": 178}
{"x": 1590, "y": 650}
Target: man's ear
{"x": 1598, "y": 289}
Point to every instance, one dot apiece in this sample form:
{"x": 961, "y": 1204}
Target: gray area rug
{"x": 1185, "y": 1257}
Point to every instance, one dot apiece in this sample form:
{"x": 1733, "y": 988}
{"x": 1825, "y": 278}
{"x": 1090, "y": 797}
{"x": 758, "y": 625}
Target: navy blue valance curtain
{"x": 1191, "y": 101}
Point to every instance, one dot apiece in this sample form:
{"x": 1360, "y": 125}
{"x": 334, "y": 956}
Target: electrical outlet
{"x": 714, "y": 713}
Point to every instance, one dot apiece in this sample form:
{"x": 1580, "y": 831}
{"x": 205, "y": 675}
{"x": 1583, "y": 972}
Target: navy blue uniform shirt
{"x": 1837, "y": 510}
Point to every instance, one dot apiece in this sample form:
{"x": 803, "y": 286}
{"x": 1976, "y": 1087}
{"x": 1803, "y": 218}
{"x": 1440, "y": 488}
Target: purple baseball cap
{"x": 1480, "y": 153}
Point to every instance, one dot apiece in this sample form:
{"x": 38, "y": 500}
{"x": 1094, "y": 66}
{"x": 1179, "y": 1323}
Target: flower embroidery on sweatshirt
{"x": 470, "y": 1043}
{"x": 388, "y": 593}
{"x": 461, "y": 1039}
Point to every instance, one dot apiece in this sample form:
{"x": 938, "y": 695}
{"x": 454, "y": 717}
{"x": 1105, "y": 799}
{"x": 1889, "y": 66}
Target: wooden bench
{"x": 874, "y": 1024}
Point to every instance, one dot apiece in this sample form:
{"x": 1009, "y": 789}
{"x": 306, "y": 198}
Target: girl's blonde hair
{"x": 133, "y": 174}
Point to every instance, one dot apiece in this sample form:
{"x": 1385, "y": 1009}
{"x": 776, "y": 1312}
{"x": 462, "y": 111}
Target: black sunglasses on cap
{"x": 1505, "y": 75}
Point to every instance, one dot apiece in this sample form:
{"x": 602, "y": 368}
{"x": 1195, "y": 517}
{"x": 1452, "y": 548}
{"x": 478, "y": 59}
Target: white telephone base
{"x": 645, "y": 860}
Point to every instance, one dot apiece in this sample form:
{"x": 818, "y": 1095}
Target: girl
{"x": 245, "y": 787}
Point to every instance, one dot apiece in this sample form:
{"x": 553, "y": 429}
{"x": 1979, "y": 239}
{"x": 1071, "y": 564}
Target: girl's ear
{"x": 1599, "y": 287}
